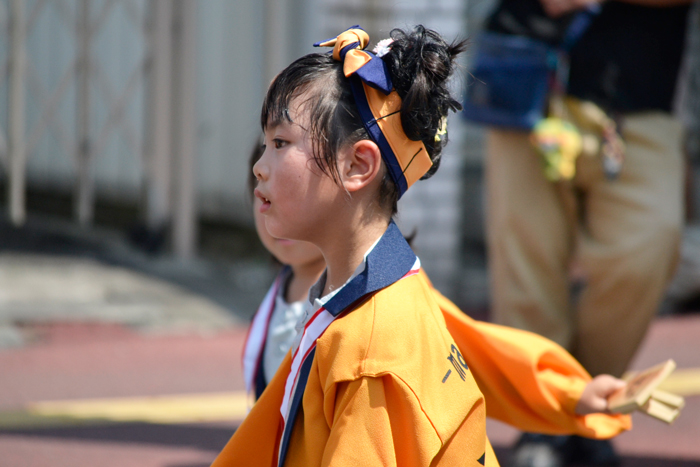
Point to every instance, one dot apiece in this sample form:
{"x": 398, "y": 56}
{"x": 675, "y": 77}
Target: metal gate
{"x": 160, "y": 81}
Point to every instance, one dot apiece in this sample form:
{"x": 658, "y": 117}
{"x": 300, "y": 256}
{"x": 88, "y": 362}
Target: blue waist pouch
{"x": 509, "y": 81}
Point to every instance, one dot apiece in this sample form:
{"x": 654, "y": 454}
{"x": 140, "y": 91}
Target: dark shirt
{"x": 627, "y": 60}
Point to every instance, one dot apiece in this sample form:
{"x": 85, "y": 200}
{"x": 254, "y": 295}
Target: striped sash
{"x": 257, "y": 335}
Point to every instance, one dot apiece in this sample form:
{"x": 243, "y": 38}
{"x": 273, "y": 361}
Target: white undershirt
{"x": 281, "y": 331}
{"x": 315, "y": 300}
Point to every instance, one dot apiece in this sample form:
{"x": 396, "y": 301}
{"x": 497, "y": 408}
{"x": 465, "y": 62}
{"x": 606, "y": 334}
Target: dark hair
{"x": 419, "y": 62}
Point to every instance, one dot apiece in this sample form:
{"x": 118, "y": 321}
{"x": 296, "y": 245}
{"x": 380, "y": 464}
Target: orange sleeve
{"x": 528, "y": 381}
{"x": 377, "y": 421}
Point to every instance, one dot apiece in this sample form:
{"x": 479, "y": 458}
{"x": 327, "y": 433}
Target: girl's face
{"x": 292, "y": 252}
{"x": 296, "y": 197}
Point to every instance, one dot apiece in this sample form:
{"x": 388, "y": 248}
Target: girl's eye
{"x": 278, "y": 143}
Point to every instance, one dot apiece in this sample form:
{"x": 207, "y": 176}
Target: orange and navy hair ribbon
{"x": 380, "y": 107}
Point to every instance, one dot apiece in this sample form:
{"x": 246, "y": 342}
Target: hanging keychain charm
{"x": 613, "y": 150}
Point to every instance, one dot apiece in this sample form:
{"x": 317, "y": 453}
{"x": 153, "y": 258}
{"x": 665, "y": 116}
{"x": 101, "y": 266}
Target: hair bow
{"x": 348, "y": 48}
{"x": 380, "y": 107}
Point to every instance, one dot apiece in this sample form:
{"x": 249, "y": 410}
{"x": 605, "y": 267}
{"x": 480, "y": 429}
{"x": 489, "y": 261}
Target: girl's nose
{"x": 260, "y": 171}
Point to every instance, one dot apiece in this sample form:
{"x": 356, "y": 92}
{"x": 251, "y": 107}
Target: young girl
{"x": 527, "y": 380}
{"x": 273, "y": 328}
{"x": 373, "y": 377}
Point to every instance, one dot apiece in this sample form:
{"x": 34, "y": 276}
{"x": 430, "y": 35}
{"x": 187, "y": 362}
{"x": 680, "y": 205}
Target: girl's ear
{"x": 361, "y": 164}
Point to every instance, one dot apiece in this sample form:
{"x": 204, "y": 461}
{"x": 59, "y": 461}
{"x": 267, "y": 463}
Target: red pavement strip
{"x": 79, "y": 361}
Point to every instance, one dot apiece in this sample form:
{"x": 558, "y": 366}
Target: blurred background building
{"x": 140, "y": 115}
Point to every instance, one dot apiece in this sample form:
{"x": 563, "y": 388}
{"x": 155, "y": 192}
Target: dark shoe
{"x": 535, "y": 450}
{"x": 591, "y": 452}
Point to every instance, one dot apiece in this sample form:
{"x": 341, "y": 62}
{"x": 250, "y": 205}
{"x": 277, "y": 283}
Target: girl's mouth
{"x": 265, "y": 202}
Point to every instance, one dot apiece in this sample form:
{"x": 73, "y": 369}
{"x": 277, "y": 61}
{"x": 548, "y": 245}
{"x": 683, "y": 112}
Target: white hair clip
{"x": 383, "y": 47}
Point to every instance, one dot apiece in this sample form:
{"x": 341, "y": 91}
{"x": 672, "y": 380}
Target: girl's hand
{"x": 594, "y": 398}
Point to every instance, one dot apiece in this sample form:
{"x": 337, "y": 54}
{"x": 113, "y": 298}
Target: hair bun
{"x": 420, "y": 63}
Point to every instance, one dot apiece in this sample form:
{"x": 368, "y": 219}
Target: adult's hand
{"x": 556, "y": 8}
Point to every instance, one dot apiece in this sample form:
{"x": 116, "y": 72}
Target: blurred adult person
{"x": 622, "y": 232}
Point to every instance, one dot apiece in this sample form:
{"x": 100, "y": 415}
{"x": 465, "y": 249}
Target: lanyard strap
{"x": 578, "y": 26}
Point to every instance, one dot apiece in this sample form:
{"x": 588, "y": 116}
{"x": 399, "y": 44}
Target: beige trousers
{"x": 624, "y": 234}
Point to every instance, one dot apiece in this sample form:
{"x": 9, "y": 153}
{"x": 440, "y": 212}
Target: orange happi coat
{"x": 387, "y": 386}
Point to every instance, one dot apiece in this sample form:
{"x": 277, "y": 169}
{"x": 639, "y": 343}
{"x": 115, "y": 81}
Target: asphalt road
{"x": 134, "y": 362}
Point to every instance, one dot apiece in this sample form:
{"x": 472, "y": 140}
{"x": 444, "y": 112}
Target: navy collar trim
{"x": 388, "y": 262}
